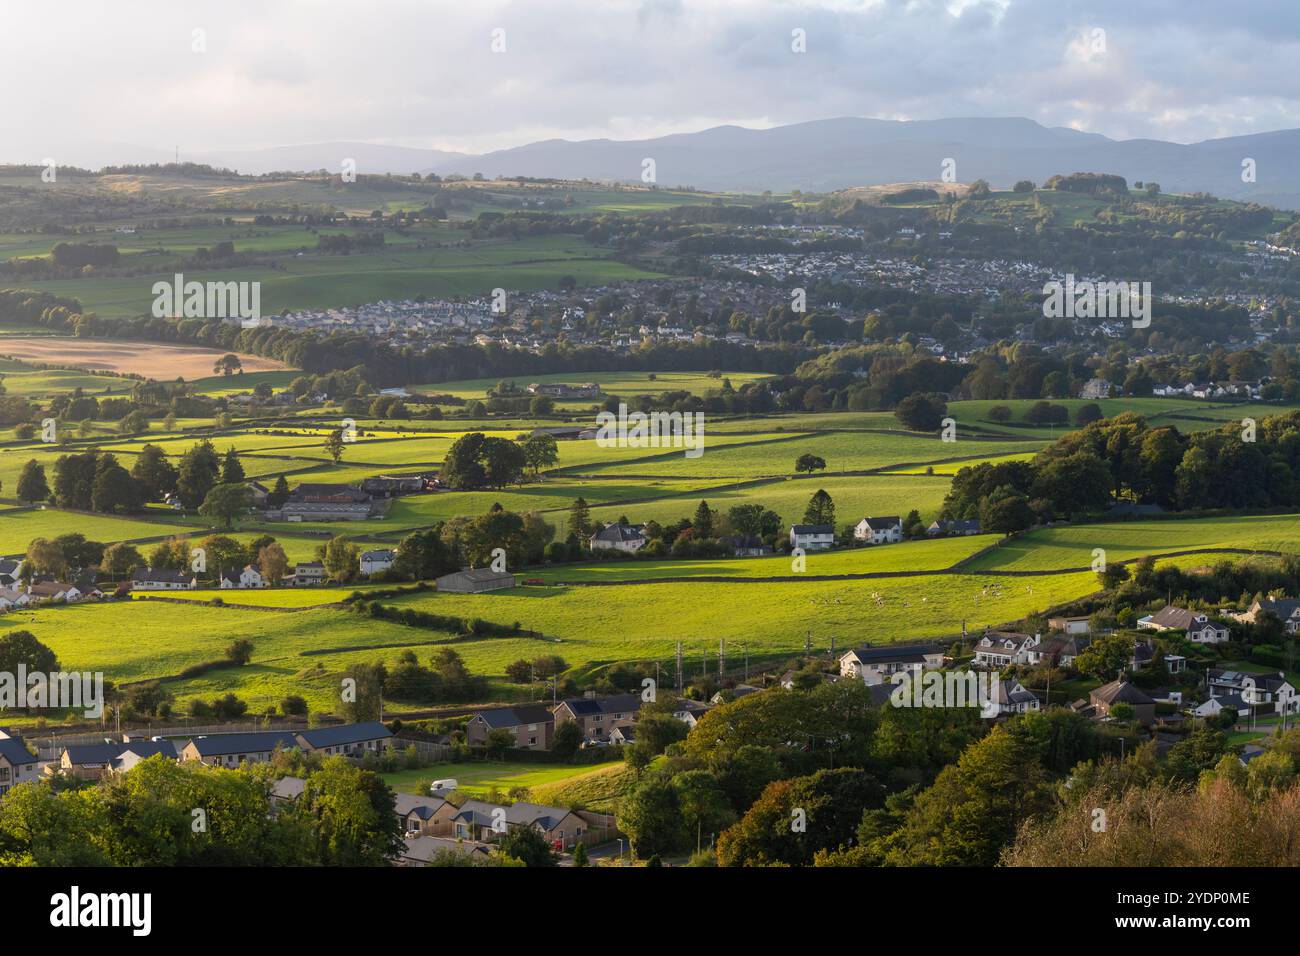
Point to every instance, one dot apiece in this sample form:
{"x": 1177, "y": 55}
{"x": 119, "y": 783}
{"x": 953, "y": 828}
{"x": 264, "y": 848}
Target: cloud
{"x": 413, "y": 72}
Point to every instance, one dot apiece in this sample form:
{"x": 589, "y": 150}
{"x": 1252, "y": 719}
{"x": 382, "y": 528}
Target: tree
{"x": 651, "y": 817}
{"x": 527, "y": 845}
{"x": 702, "y": 523}
{"x": 46, "y": 557}
{"x": 279, "y": 493}
{"x": 704, "y": 805}
{"x": 114, "y": 489}
{"x": 120, "y": 559}
{"x": 154, "y": 473}
{"x": 272, "y": 562}
{"x": 22, "y": 647}
{"x": 808, "y": 464}
{"x": 198, "y": 472}
{"x": 820, "y": 510}
{"x": 540, "y": 451}
{"x": 499, "y": 742}
{"x": 580, "y": 518}
{"x": 1023, "y": 186}
{"x": 32, "y": 486}
{"x": 580, "y": 855}
{"x": 341, "y": 559}
{"x": 232, "y": 472}
{"x": 227, "y": 502}
{"x": 227, "y": 365}
{"x": 352, "y": 814}
{"x": 477, "y": 461}
{"x": 567, "y": 739}
{"x": 240, "y": 651}
{"x": 922, "y": 411}
{"x": 334, "y": 445}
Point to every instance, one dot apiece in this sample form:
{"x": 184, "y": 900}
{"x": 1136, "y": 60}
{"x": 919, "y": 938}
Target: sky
{"x": 88, "y": 78}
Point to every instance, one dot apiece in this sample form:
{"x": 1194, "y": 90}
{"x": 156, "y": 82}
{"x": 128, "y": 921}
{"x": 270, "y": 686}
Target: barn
{"x": 475, "y": 581}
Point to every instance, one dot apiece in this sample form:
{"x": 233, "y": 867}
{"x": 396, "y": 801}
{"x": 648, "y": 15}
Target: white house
{"x": 162, "y": 579}
{"x": 619, "y": 537}
{"x": 1200, "y": 629}
{"x": 879, "y": 530}
{"x": 877, "y": 665}
{"x": 1003, "y": 648}
{"x": 373, "y": 562}
{"x": 249, "y": 577}
{"x": 1257, "y": 690}
{"x": 12, "y": 597}
{"x": 1013, "y": 698}
{"x": 812, "y": 537}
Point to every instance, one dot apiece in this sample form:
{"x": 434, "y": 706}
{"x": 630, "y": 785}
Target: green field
{"x": 480, "y": 777}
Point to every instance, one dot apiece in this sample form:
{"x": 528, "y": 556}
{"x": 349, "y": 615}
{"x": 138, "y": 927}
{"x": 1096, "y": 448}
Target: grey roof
{"x": 405, "y": 804}
{"x": 480, "y": 575}
{"x": 1118, "y": 691}
{"x": 148, "y": 748}
{"x": 903, "y": 653}
{"x": 263, "y": 741}
{"x": 498, "y": 717}
{"x": 288, "y": 788}
{"x": 79, "y": 754}
{"x": 15, "y": 751}
{"x": 166, "y": 575}
{"x": 383, "y": 554}
{"x": 813, "y": 529}
{"x": 620, "y": 532}
{"x": 346, "y": 734}
{"x": 613, "y": 704}
{"x": 1178, "y": 618}
{"x": 518, "y": 814}
{"x": 425, "y": 848}
{"x": 883, "y": 524}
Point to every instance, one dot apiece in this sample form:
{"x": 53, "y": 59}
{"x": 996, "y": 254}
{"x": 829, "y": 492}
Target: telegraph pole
{"x": 679, "y": 667}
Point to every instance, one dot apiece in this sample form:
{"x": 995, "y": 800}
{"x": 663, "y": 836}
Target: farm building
{"x": 475, "y": 581}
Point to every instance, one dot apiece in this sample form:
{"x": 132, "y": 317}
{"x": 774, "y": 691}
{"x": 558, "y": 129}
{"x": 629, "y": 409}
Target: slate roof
{"x": 15, "y": 751}
{"x": 346, "y": 734}
{"x": 613, "y": 704}
{"x": 499, "y": 717}
{"x": 1118, "y": 691}
{"x": 220, "y": 745}
{"x": 813, "y": 529}
{"x": 620, "y": 532}
{"x": 423, "y": 807}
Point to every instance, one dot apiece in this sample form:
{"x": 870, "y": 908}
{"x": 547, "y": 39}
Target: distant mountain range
{"x": 826, "y": 155}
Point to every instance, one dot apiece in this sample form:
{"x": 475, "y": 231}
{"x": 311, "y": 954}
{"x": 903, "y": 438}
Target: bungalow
{"x": 420, "y": 850}
{"x": 879, "y": 530}
{"x": 1200, "y": 629}
{"x": 475, "y": 581}
{"x": 484, "y": 822}
{"x": 48, "y": 591}
{"x": 349, "y": 740}
{"x": 249, "y": 577}
{"x": 746, "y": 546}
{"x": 423, "y": 816}
{"x": 962, "y": 526}
{"x": 162, "y": 579}
{"x": 1257, "y": 690}
{"x": 597, "y": 716}
{"x": 877, "y": 665}
{"x": 532, "y": 724}
{"x": 1105, "y": 697}
{"x": 1217, "y": 705}
{"x": 812, "y": 537}
{"x": 230, "y": 750}
{"x": 374, "y": 562}
{"x": 622, "y": 736}
{"x": 17, "y": 764}
{"x": 1003, "y": 648}
{"x": 1012, "y": 698}
{"x": 13, "y": 597}
{"x": 92, "y": 761}
{"x": 619, "y": 537}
